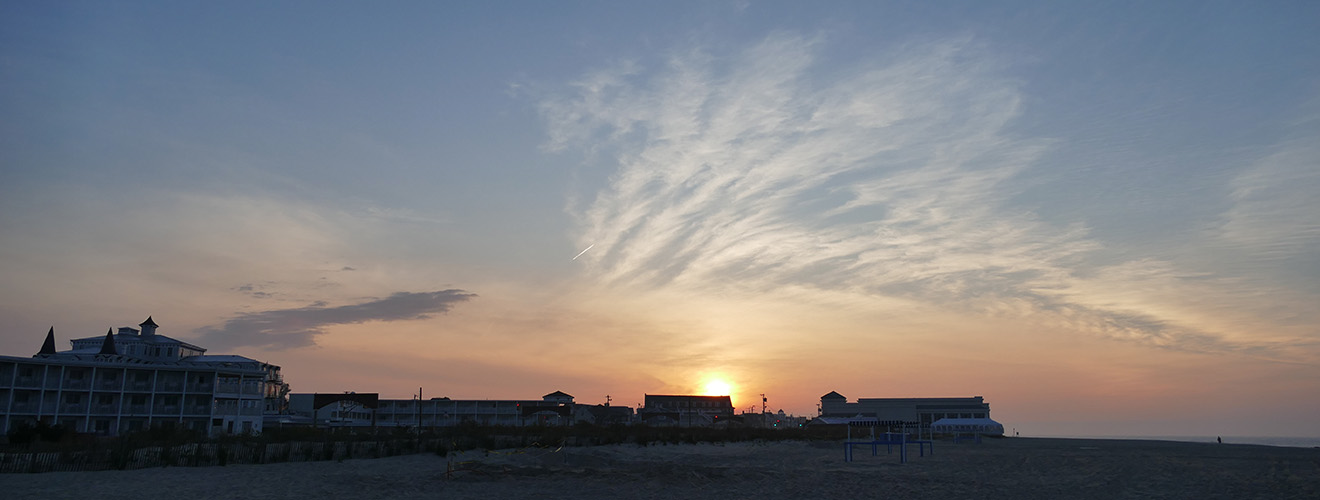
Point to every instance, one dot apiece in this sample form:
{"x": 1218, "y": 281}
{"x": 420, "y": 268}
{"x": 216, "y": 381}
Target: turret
{"x": 148, "y": 327}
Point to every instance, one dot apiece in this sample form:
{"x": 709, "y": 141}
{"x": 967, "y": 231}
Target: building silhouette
{"x": 135, "y": 379}
{"x": 904, "y": 411}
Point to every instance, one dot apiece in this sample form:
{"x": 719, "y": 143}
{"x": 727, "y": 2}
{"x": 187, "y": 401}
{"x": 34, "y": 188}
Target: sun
{"x": 717, "y": 387}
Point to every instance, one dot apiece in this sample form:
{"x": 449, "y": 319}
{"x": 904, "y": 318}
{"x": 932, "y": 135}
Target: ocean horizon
{"x": 1289, "y": 441}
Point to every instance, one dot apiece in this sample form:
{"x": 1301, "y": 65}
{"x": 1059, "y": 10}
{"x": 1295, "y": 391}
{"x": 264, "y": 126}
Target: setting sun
{"x": 717, "y": 387}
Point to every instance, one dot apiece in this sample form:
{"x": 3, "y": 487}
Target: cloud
{"x": 1273, "y": 212}
{"x": 744, "y": 173}
{"x": 743, "y": 166}
{"x": 290, "y": 328}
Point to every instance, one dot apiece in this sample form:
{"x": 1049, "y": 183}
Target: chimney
{"x": 148, "y": 327}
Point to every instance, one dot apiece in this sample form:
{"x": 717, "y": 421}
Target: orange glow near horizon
{"x": 717, "y": 387}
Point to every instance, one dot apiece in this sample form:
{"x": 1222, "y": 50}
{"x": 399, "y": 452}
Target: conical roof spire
{"x": 48, "y": 347}
{"x": 108, "y": 347}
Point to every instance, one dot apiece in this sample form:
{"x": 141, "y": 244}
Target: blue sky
{"x": 1048, "y": 204}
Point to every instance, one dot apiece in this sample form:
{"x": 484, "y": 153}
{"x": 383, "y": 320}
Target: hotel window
{"x": 73, "y": 398}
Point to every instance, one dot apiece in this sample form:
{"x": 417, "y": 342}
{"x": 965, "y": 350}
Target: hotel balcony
{"x": 73, "y": 408}
{"x": 77, "y": 385}
{"x": 109, "y": 385}
{"x": 28, "y": 382}
{"x": 227, "y": 388}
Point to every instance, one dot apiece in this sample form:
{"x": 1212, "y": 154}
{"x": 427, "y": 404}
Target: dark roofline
{"x": 149, "y": 322}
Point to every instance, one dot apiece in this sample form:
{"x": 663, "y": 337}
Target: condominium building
{"x": 135, "y": 379}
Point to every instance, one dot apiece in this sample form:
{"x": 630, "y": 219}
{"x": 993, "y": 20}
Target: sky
{"x": 1101, "y": 217}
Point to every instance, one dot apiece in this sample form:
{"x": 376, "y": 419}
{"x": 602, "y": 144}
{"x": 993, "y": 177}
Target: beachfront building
{"x": 135, "y": 379}
{"x": 686, "y": 410}
{"x": 603, "y": 414}
{"x": 556, "y": 408}
{"x": 904, "y": 411}
{"x": 348, "y": 409}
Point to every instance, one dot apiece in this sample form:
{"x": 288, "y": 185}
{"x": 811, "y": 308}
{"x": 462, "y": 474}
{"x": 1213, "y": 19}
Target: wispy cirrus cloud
{"x": 743, "y": 172}
{"x": 289, "y": 328}
{"x": 1274, "y": 201}
{"x": 745, "y": 166}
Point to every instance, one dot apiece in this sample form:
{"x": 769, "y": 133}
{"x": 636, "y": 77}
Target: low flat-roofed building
{"x": 348, "y": 409}
{"x": 684, "y": 410}
{"x": 556, "y": 408}
{"x": 920, "y": 411}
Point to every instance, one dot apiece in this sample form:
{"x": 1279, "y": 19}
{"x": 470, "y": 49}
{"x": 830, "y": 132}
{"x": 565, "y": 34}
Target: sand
{"x": 998, "y": 468}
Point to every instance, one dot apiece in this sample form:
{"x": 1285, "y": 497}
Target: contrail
{"x": 583, "y": 251}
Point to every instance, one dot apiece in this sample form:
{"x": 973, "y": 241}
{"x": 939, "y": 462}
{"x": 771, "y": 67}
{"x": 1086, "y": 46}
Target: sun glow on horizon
{"x": 717, "y": 387}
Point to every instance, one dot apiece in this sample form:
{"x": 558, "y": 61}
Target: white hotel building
{"x": 134, "y": 380}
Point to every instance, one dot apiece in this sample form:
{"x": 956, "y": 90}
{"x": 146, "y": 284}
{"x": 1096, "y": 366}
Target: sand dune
{"x": 1000, "y": 468}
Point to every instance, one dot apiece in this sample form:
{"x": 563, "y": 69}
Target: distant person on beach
{"x": 1220, "y": 439}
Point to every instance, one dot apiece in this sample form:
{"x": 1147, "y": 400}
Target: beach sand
{"x": 997, "y": 468}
